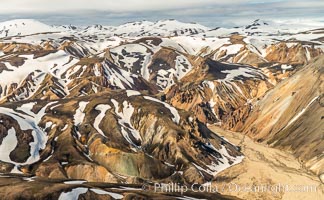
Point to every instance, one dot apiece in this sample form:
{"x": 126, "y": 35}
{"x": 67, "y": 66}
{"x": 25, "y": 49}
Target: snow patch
{"x": 132, "y": 93}
{"x": 103, "y": 109}
{"x": 74, "y": 182}
{"x": 79, "y": 113}
{"x": 74, "y": 194}
{"x": 114, "y": 195}
{"x": 9, "y": 144}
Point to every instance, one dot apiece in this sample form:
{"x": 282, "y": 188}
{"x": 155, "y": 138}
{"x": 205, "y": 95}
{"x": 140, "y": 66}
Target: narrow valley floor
{"x": 266, "y": 166}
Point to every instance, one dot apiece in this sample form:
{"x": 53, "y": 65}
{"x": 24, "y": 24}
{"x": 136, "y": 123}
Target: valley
{"x": 264, "y": 165}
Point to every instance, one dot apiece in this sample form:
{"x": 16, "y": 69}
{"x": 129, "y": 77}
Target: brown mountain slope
{"x": 290, "y": 116}
{"x": 213, "y": 90}
{"x": 123, "y": 137}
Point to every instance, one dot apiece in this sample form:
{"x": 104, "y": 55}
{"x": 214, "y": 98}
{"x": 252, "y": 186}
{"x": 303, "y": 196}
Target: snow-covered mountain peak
{"x": 168, "y": 27}
{"x": 24, "y": 27}
{"x": 172, "y": 23}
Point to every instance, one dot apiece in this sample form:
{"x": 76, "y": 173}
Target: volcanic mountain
{"x": 101, "y": 111}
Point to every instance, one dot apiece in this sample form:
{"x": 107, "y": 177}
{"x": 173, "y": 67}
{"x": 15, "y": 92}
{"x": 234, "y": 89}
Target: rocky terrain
{"x": 294, "y": 107}
{"x": 265, "y": 166}
{"x": 100, "y": 111}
